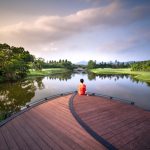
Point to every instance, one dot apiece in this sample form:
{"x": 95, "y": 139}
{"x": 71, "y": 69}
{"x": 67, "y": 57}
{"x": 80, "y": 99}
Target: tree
{"x": 91, "y": 64}
{"x": 67, "y": 65}
{"x": 141, "y": 66}
{"x": 38, "y": 63}
{"x": 59, "y": 60}
{"x": 14, "y": 62}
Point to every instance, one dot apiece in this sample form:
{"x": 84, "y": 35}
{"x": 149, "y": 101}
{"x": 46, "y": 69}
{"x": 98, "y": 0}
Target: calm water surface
{"x": 13, "y": 96}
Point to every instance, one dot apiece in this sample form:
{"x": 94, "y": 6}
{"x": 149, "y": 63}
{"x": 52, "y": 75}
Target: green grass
{"x": 140, "y": 75}
{"x": 49, "y": 71}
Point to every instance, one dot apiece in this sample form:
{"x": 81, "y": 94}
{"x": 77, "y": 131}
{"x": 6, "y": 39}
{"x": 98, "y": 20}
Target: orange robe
{"x": 81, "y": 89}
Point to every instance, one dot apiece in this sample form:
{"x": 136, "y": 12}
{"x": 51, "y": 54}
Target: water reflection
{"x": 39, "y": 82}
{"x": 15, "y": 95}
{"x": 135, "y": 80}
{"x": 148, "y": 84}
{"x": 61, "y": 77}
{"x": 92, "y": 76}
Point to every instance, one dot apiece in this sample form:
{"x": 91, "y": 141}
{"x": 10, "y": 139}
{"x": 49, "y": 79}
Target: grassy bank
{"x": 44, "y": 72}
{"x": 140, "y": 75}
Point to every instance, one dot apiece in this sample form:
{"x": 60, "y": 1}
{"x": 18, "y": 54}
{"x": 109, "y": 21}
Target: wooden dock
{"x": 125, "y": 126}
{"x": 79, "y": 123}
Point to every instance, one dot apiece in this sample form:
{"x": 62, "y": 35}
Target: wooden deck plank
{"x": 119, "y": 123}
{"x": 106, "y": 113}
{"x": 9, "y": 139}
{"x": 20, "y": 142}
{"x": 116, "y": 125}
{"x": 72, "y": 131}
{"x": 50, "y": 119}
{"x": 60, "y": 131}
{"x": 48, "y": 126}
{"x": 53, "y": 139}
{"x": 31, "y": 131}
{"x": 25, "y": 136}
{"x": 3, "y": 144}
{"x": 122, "y": 129}
{"x": 113, "y": 119}
{"x": 68, "y": 124}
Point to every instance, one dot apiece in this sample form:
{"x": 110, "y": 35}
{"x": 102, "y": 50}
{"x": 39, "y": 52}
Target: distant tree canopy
{"x": 92, "y": 64}
{"x": 135, "y": 66}
{"x": 141, "y": 66}
{"x": 59, "y": 64}
{"x": 115, "y": 64}
{"x": 14, "y": 62}
{"x": 38, "y": 64}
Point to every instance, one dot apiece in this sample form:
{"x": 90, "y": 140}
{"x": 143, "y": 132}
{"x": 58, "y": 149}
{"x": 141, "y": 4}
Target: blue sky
{"x": 78, "y": 29}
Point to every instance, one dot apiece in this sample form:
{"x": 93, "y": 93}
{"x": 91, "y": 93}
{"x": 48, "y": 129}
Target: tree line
{"x": 92, "y": 64}
{"x": 16, "y": 62}
{"x": 141, "y": 66}
{"x": 135, "y": 66}
{"x": 58, "y": 64}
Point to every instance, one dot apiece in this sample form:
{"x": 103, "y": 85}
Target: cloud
{"x": 117, "y": 46}
{"x": 135, "y": 41}
{"x": 48, "y": 29}
{"x": 98, "y": 1}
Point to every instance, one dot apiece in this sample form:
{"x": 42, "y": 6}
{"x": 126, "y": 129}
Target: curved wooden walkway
{"x": 125, "y": 126}
{"x": 47, "y": 126}
{"x": 80, "y": 123}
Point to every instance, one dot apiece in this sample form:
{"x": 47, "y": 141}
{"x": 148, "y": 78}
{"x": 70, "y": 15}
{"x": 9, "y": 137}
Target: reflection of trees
{"x": 116, "y": 77}
{"x": 39, "y": 82}
{"x": 133, "y": 79}
{"x": 15, "y": 95}
{"x": 61, "y": 76}
{"x": 91, "y": 76}
{"x": 148, "y": 84}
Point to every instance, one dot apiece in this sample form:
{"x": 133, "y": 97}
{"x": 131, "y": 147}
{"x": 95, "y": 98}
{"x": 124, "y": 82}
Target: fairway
{"x": 140, "y": 75}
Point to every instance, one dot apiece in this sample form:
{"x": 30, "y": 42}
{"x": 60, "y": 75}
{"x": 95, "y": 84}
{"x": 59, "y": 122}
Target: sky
{"x": 78, "y": 30}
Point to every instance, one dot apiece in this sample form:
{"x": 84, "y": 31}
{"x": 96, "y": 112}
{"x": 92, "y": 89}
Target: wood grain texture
{"x": 47, "y": 126}
{"x": 125, "y": 126}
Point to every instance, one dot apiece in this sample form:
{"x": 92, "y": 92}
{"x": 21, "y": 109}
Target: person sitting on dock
{"x": 82, "y": 88}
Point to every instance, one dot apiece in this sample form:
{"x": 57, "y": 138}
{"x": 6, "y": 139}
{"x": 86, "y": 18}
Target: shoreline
{"x": 35, "y": 73}
{"x": 139, "y": 75}
{"x": 49, "y": 71}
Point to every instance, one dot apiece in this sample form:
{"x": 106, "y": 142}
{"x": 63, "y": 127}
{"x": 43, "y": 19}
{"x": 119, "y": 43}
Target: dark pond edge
{"x": 96, "y": 136}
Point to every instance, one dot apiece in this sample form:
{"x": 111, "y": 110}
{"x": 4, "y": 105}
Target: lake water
{"x": 13, "y": 96}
